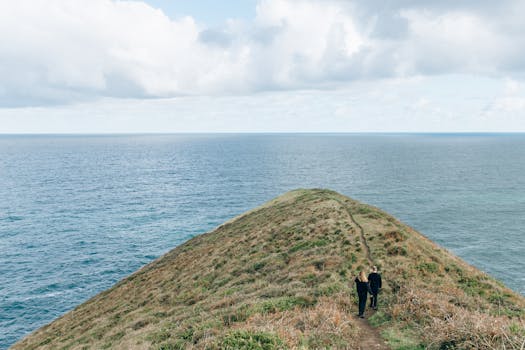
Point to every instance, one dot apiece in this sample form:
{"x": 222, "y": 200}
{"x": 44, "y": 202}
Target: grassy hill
{"x": 281, "y": 277}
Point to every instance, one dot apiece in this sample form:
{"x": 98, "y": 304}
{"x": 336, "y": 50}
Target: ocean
{"x": 80, "y": 212}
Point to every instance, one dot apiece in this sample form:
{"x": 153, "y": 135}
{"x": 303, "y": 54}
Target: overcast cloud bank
{"x": 64, "y": 51}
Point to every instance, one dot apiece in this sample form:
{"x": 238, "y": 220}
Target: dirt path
{"x": 362, "y": 237}
{"x": 361, "y": 233}
{"x": 371, "y": 338}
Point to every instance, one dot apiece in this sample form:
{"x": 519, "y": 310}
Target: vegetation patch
{"x": 396, "y": 236}
{"x": 474, "y": 285}
{"x": 139, "y": 324}
{"x": 326, "y": 341}
{"x": 158, "y": 337}
{"x": 402, "y": 340}
{"x": 428, "y": 267}
{"x": 258, "y": 266}
{"x": 308, "y": 245}
{"x": 379, "y": 318}
{"x": 176, "y": 345}
{"x": 246, "y": 340}
{"x": 397, "y": 250}
{"x": 239, "y": 315}
{"x": 328, "y": 290}
{"x": 283, "y": 304}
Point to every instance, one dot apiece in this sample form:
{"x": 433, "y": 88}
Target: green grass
{"x": 379, "y": 319}
{"x": 428, "y": 267}
{"x": 329, "y": 289}
{"x": 308, "y": 245}
{"x": 158, "y": 337}
{"x": 283, "y": 304}
{"x": 402, "y": 340}
{"x": 474, "y": 285}
{"x": 244, "y": 340}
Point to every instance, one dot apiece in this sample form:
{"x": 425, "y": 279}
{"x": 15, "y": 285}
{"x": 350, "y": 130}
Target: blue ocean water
{"x": 78, "y": 213}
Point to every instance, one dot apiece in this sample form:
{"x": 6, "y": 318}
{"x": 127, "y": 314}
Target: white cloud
{"x": 421, "y": 103}
{"x": 512, "y": 87}
{"x": 62, "y": 51}
{"x": 453, "y": 42}
{"x": 57, "y": 50}
{"x": 510, "y": 102}
{"x": 426, "y": 104}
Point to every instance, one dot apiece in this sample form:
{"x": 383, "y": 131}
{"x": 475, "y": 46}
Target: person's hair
{"x": 374, "y": 268}
{"x": 362, "y": 276}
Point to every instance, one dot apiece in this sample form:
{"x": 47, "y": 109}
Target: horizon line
{"x": 267, "y": 133}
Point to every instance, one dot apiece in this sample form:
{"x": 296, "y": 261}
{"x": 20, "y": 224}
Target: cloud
{"x": 64, "y": 51}
{"x": 456, "y": 42}
{"x": 438, "y": 103}
{"x": 510, "y": 102}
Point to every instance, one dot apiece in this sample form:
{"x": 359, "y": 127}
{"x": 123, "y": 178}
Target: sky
{"x": 102, "y": 66}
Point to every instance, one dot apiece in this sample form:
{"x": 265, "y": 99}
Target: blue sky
{"x": 211, "y": 12}
{"x": 103, "y": 66}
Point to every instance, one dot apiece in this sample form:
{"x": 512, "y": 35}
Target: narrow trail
{"x": 370, "y": 336}
{"x": 362, "y": 237}
{"x": 361, "y": 233}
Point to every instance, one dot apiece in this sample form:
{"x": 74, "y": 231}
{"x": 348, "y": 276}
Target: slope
{"x": 281, "y": 276}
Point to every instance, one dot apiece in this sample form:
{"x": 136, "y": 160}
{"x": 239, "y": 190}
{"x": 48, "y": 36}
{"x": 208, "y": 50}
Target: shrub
{"x": 238, "y": 315}
{"x": 283, "y": 304}
{"x": 329, "y": 289}
{"x": 139, "y": 324}
{"x": 428, "y": 267}
{"x": 159, "y": 336}
{"x": 178, "y": 345}
{"x": 310, "y": 279}
{"x": 396, "y": 250}
{"x": 319, "y": 265}
{"x": 258, "y": 266}
{"x": 444, "y": 325}
{"x": 473, "y": 286}
{"x": 395, "y": 236}
{"x": 246, "y": 340}
{"x": 363, "y": 210}
{"x": 308, "y": 245}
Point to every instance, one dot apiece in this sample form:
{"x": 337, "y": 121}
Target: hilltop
{"x": 281, "y": 277}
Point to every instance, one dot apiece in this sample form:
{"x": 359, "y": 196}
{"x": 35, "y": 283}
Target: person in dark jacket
{"x": 374, "y": 278}
{"x": 363, "y": 288}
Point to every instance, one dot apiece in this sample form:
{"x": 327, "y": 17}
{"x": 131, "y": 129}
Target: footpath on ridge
{"x": 370, "y": 336}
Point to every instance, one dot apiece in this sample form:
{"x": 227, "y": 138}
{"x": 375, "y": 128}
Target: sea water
{"x": 78, "y": 213}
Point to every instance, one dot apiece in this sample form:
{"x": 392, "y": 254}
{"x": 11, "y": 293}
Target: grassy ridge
{"x": 434, "y": 299}
{"x": 280, "y": 276}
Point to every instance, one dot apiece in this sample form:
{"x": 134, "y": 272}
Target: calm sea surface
{"x": 78, "y": 213}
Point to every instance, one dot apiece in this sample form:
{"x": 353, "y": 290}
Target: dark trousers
{"x": 362, "y": 303}
{"x": 373, "y": 299}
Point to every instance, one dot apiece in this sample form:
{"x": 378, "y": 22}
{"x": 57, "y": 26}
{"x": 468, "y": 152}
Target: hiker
{"x": 374, "y": 279}
{"x": 363, "y": 288}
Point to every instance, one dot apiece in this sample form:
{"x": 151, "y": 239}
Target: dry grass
{"x": 327, "y": 324}
{"x": 281, "y": 276}
{"x": 445, "y": 325}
